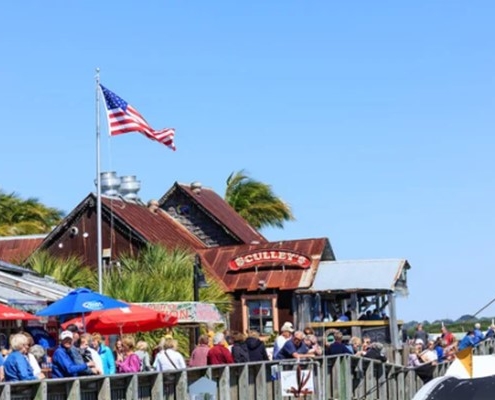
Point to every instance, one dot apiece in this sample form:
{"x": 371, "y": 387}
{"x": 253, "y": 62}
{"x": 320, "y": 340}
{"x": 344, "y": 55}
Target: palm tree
{"x": 155, "y": 275}
{"x": 68, "y": 272}
{"x": 161, "y": 275}
{"x": 256, "y": 202}
{"x": 26, "y": 217}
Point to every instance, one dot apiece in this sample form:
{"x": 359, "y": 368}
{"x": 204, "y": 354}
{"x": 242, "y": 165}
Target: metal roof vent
{"x": 110, "y": 183}
{"x": 153, "y": 206}
{"x": 129, "y": 187}
{"x": 196, "y": 187}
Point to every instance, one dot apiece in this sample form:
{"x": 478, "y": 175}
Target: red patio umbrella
{"x": 10, "y": 313}
{"x": 130, "y": 319}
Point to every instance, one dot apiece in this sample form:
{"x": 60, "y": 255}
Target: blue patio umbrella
{"x": 80, "y": 301}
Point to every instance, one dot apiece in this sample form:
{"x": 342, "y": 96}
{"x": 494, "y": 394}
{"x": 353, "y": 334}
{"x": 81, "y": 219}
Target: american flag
{"x": 123, "y": 118}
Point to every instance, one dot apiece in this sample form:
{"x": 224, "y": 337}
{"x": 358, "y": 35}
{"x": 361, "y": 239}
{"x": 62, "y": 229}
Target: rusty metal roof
{"x": 359, "y": 275}
{"x": 154, "y": 227}
{"x": 274, "y": 275}
{"x": 15, "y": 249}
{"x": 218, "y": 210}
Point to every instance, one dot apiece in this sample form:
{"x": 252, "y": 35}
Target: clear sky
{"x": 374, "y": 120}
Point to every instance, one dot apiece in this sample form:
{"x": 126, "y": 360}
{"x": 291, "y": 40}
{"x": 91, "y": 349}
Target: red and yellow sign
{"x": 269, "y": 257}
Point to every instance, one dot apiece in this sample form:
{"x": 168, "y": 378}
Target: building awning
{"x": 26, "y": 290}
{"x": 387, "y": 275}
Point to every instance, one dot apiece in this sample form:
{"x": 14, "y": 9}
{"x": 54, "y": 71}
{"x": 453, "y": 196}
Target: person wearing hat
{"x": 63, "y": 365}
{"x": 294, "y": 348}
{"x": 76, "y": 353}
{"x": 286, "y": 332}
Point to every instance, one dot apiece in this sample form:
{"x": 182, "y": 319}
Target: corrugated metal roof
{"x": 22, "y": 286}
{"x": 16, "y": 249}
{"x": 155, "y": 227}
{"x": 216, "y": 261}
{"x": 355, "y": 275}
{"x": 58, "y": 289}
{"x": 9, "y": 295}
{"x": 32, "y": 285}
{"x": 14, "y": 269}
{"x": 219, "y": 210}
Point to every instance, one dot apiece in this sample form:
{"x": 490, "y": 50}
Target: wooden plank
{"x": 359, "y": 387}
{"x": 381, "y": 379}
{"x": 243, "y": 384}
{"x": 261, "y": 383}
{"x": 157, "y": 387}
{"x": 104, "y": 392}
{"x": 182, "y": 386}
{"x": 394, "y": 330}
{"x": 5, "y": 394}
{"x": 132, "y": 388}
{"x": 369, "y": 380}
{"x": 74, "y": 390}
{"x": 345, "y": 378}
{"x": 224, "y": 384}
{"x": 42, "y": 391}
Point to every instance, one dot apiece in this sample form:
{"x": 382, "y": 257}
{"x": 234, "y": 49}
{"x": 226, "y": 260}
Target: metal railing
{"x": 343, "y": 377}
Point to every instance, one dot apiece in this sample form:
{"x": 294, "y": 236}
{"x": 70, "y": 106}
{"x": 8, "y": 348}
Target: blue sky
{"x": 373, "y": 120}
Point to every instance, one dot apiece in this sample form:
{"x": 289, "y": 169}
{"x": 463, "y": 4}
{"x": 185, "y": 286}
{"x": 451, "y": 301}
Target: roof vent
{"x": 196, "y": 187}
{"x": 110, "y": 183}
{"x": 129, "y": 187}
{"x": 153, "y": 206}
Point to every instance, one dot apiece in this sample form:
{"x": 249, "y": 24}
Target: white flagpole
{"x": 99, "y": 246}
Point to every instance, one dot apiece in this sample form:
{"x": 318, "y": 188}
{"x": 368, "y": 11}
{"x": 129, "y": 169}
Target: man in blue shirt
{"x": 294, "y": 348}
{"x": 467, "y": 341}
{"x": 478, "y": 335}
{"x": 63, "y": 365}
{"x": 337, "y": 347}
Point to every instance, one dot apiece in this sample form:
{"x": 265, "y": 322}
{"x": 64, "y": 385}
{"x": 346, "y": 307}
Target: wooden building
{"x": 271, "y": 282}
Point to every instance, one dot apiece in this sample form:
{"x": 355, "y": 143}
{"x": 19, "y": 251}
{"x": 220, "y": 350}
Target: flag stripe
{"x": 123, "y": 118}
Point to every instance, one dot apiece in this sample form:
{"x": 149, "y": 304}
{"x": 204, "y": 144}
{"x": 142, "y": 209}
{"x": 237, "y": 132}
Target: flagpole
{"x": 99, "y": 246}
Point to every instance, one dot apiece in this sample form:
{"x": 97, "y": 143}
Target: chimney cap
{"x": 153, "y": 205}
{"x": 196, "y": 187}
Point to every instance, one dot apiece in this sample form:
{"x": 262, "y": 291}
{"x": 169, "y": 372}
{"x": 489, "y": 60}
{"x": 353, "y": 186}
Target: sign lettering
{"x": 269, "y": 257}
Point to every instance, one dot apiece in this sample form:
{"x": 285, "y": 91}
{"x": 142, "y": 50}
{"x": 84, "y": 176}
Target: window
{"x": 260, "y": 313}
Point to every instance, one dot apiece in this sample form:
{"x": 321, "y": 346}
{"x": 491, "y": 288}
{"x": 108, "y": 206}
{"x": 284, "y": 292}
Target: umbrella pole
{"x": 84, "y": 323}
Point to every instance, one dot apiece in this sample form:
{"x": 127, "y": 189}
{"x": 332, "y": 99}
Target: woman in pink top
{"x": 198, "y": 355}
{"x": 128, "y": 361}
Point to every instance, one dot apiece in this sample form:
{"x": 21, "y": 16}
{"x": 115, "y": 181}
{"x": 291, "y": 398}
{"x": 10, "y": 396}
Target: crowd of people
{"x": 426, "y": 352}
{"x": 80, "y": 354}
{"x": 423, "y": 349}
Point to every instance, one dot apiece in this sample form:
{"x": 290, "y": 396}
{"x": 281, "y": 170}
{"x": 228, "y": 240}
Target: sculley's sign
{"x": 269, "y": 257}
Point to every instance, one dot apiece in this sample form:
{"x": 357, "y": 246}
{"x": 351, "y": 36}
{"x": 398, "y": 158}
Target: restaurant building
{"x": 270, "y": 281}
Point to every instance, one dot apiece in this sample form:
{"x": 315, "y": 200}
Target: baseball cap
{"x": 66, "y": 335}
{"x": 287, "y": 327}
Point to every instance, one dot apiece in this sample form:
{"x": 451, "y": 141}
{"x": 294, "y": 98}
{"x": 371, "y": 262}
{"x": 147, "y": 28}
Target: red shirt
{"x": 218, "y": 354}
{"x": 448, "y": 337}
